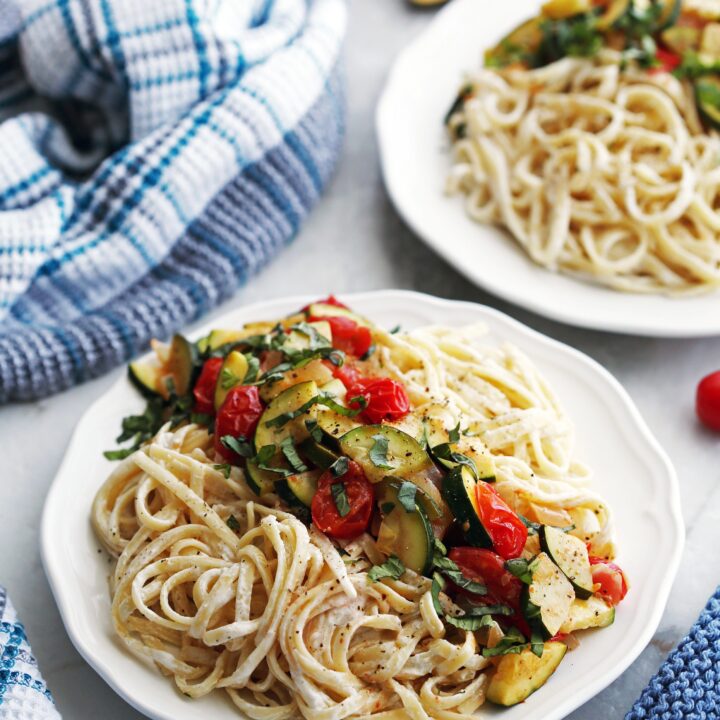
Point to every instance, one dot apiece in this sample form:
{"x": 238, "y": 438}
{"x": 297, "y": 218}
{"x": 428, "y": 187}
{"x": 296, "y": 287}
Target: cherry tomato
{"x": 361, "y": 498}
{"x": 329, "y": 300}
{"x": 668, "y": 61}
{"x": 707, "y": 401}
{"x": 238, "y": 416}
{"x": 488, "y": 568}
{"x": 347, "y": 335}
{"x": 386, "y": 399}
{"x": 204, "y": 390}
{"x": 347, "y": 373}
{"x": 506, "y": 530}
{"x": 613, "y": 586}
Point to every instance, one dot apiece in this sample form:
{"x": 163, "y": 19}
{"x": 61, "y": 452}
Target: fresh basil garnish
{"x": 378, "y": 452}
{"x": 406, "y": 496}
{"x": 520, "y": 568}
{"x": 340, "y": 466}
{"x": 224, "y": 468}
{"x": 391, "y": 568}
{"x": 238, "y": 445}
{"x": 291, "y": 455}
{"x": 340, "y": 498}
{"x": 232, "y": 523}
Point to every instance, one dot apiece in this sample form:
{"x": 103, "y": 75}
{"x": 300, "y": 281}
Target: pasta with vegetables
{"x": 320, "y": 517}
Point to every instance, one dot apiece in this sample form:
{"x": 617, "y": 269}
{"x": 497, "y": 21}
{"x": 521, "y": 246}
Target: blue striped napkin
{"x": 687, "y": 686}
{"x": 153, "y": 155}
{"x": 23, "y": 693}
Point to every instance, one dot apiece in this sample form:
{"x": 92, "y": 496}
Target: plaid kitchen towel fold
{"x": 687, "y": 686}
{"x": 153, "y": 155}
{"x": 23, "y": 693}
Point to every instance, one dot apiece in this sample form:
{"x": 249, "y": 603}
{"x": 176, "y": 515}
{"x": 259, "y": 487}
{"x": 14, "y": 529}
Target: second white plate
{"x": 630, "y": 469}
{"x": 415, "y": 161}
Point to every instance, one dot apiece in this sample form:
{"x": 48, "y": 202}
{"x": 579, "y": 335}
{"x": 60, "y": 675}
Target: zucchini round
{"x": 519, "y": 675}
{"x": 459, "y": 491}
{"x": 317, "y": 454}
{"x": 232, "y": 373}
{"x": 334, "y": 427}
{"x": 145, "y": 375}
{"x": 570, "y": 554}
{"x": 288, "y": 401}
{"x": 314, "y": 370}
{"x": 681, "y": 38}
{"x": 525, "y": 39}
{"x": 180, "y": 364}
{"x": 547, "y": 600}
{"x": 321, "y": 310}
{"x": 407, "y": 535}
{"x": 669, "y": 13}
{"x": 591, "y": 613}
{"x": 613, "y": 12}
{"x": 261, "y": 482}
{"x": 561, "y": 9}
{"x": 304, "y": 485}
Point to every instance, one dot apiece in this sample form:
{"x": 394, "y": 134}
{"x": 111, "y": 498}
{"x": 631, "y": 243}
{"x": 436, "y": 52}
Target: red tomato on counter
{"x": 707, "y": 401}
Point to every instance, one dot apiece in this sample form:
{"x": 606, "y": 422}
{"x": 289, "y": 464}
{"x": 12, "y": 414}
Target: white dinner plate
{"x": 414, "y": 151}
{"x": 630, "y": 470}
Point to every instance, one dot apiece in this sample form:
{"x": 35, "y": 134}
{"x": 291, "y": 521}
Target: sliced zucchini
{"x": 548, "y": 598}
{"x": 232, "y": 373}
{"x": 288, "y": 401}
{"x": 261, "y": 482}
{"x": 314, "y": 370}
{"x": 335, "y": 389}
{"x": 459, "y": 491}
{"x": 560, "y": 9}
{"x": 387, "y": 490}
{"x": 591, "y": 613}
{"x": 317, "y": 454}
{"x": 406, "y": 460}
{"x": 405, "y": 456}
{"x": 408, "y": 535}
{"x": 333, "y": 427}
{"x": 570, "y": 554}
{"x": 613, "y": 12}
{"x": 180, "y": 364}
{"x": 298, "y": 340}
{"x": 145, "y": 375}
{"x": 304, "y": 485}
{"x": 707, "y": 96}
{"x": 519, "y": 676}
{"x": 669, "y": 13}
{"x": 218, "y": 338}
{"x": 321, "y": 310}
{"x": 681, "y": 38}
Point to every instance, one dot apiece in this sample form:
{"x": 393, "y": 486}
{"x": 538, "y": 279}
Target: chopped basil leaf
{"x": 228, "y": 379}
{"x": 233, "y": 523}
{"x": 391, "y": 568}
{"x": 378, "y": 452}
{"x": 520, "y": 568}
{"x": 138, "y": 428}
{"x": 340, "y": 497}
{"x": 238, "y": 445}
{"x": 512, "y": 642}
{"x": 224, "y": 468}
{"x": 265, "y": 454}
{"x": 465, "y": 622}
{"x": 253, "y": 369}
{"x": 448, "y": 568}
{"x": 445, "y": 452}
{"x": 406, "y": 496}
{"x": 291, "y": 455}
{"x": 533, "y": 527}
{"x": 395, "y": 330}
{"x": 340, "y": 466}
{"x": 438, "y": 584}
{"x": 368, "y": 353}
{"x": 454, "y": 434}
{"x": 120, "y": 454}
{"x": 440, "y": 547}
{"x": 536, "y": 644}
{"x": 387, "y": 507}
{"x": 201, "y": 419}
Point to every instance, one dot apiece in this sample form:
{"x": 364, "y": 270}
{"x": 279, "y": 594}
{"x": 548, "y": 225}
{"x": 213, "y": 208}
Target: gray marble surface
{"x": 355, "y": 241}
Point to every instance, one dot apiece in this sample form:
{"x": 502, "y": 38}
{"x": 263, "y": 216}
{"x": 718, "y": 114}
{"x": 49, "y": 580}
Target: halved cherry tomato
{"x": 361, "y": 498}
{"x": 488, "y": 568}
{"x": 347, "y": 373}
{"x": 238, "y": 416}
{"x": 329, "y": 300}
{"x": 204, "y": 390}
{"x": 386, "y": 399}
{"x": 347, "y": 335}
{"x": 667, "y": 60}
{"x": 506, "y": 530}
{"x": 707, "y": 401}
{"x": 613, "y": 586}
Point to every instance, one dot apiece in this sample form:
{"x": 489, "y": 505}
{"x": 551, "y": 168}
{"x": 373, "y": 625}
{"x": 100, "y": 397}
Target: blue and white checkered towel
{"x": 687, "y": 686}
{"x": 23, "y": 693}
{"x": 153, "y": 155}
